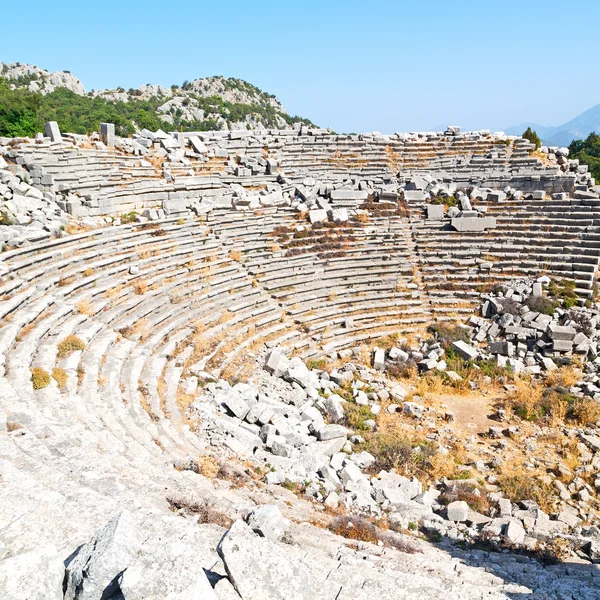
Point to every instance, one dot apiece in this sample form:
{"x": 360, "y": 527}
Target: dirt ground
{"x": 470, "y": 411}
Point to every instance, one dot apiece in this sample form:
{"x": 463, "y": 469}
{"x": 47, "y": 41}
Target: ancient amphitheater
{"x": 140, "y": 275}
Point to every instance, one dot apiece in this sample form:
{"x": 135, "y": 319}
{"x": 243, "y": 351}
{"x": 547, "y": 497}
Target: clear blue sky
{"x": 353, "y": 66}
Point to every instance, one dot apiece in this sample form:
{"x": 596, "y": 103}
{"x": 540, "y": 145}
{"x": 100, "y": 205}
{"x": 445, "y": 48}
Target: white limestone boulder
{"x": 35, "y": 575}
{"x": 261, "y": 569}
{"x": 268, "y": 522}
{"x": 93, "y": 571}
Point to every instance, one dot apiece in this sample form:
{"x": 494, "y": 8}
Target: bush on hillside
{"x": 532, "y": 136}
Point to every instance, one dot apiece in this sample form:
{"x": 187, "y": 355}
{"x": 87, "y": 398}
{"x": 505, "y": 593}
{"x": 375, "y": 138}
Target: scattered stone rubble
{"x": 290, "y": 425}
{"x": 27, "y": 214}
{"x": 135, "y": 556}
{"x": 187, "y": 181}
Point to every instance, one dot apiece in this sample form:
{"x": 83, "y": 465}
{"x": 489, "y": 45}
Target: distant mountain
{"x": 562, "y": 135}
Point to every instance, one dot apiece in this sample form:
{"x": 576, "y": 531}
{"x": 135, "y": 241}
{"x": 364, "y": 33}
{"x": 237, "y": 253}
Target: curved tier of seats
{"x": 560, "y": 238}
{"x": 155, "y": 304}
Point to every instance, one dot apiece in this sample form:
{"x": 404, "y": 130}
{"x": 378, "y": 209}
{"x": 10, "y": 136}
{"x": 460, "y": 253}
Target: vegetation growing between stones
{"x": 555, "y": 405}
{"x": 521, "y": 486}
{"x": 364, "y": 530}
{"x": 39, "y": 378}
{"x": 533, "y": 137}
{"x": 69, "y": 345}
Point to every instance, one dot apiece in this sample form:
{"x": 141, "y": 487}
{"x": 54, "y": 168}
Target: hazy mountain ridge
{"x": 562, "y": 135}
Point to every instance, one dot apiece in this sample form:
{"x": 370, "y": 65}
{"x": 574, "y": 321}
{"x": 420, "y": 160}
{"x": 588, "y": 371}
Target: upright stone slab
{"x": 198, "y": 145}
{"x": 52, "y": 131}
{"x": 107, "y": 133}
{"x": 93, "y": 571}
{"x": 259, "y": 568}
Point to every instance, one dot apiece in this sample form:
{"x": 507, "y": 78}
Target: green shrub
{"x": 533, "y": 137}
{"x": 588, "y": 153}
{"x": 541, "y": 304}
{"x": 317, "y": 364}
{"x": 447, "y": 201}
{"x": 5, "y": 219}
{"x": 128, "y": 217}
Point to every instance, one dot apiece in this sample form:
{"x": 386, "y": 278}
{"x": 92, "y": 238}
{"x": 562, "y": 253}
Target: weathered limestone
{"x": 258, "y": 569}
{"x": 34, "y": 575}
{"x": 93, "y": 571}
{"x": 473, "y": 223}
{"x": 107, "y": 134}
{"x": 52, "y": 131}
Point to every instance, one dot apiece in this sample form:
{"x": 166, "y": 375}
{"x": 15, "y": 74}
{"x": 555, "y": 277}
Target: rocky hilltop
{"x": 205, "y": 103}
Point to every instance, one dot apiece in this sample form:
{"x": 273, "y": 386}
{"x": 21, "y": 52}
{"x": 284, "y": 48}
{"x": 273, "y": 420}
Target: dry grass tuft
{"x": 69, "y": 345}
{"x": 39, "y": 378}
{"x": 521, "y": 485}
{"x": 235, "y": 255}
{"x": 392, "y": 451}
{"x": 84, "y": 307}
{"x": 112, "y": 292}
{"x": 476, "y": 499}
{"x": 202, "y": 510}
{"x": 555, "y": 406}
{"x": 431, "y": 383}
{"x": 140, "y": 330}
{"x": 60, "y": 376}
{"x": 566, "y": 376}
{"x": 66, "y": 280}
{"x": 73, "y": 228}
{"x": 362, "y": 530}
{"x": 140, "y": 287}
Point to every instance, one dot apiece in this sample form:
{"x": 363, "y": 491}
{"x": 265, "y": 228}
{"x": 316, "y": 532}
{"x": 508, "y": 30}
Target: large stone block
{"x": 458, "y": 511}
{"x": 267, "y": 521}
{"x": 465, "y": 350}
{"x": 52, "y": 131}
{"x": 435, "y": 211}
{"x": 107, "y": 133}
{"x": 259, "y": 568}
{"x": 93, "y": 571}
{"x": 35, "y": 575}
{"x": 348, "y": 195}
{"x": 317, "y": 215}
{"x": 473, "y": 223}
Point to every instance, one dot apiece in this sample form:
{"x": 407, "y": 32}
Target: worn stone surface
{"x": 93, "y": 571}
{"x": 258, "y": 569}
{"x": 35, "y": 575}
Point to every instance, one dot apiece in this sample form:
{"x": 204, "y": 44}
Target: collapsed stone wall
{"x": 156, "y": 168}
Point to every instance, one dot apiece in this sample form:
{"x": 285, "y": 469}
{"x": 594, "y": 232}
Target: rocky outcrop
{"x": 39, "y": 80}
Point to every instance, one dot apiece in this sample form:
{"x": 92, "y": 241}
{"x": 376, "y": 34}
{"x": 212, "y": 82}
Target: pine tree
{"x": 533, "y": 137}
